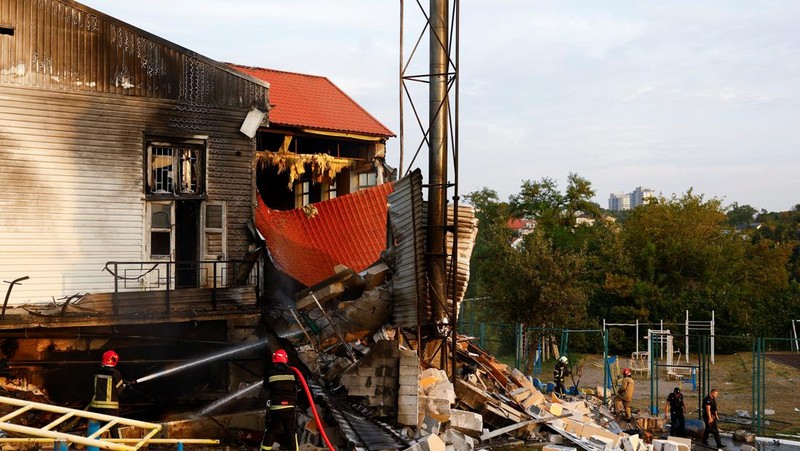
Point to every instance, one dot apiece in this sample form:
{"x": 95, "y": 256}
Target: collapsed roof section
{"x": 307, "y": 243}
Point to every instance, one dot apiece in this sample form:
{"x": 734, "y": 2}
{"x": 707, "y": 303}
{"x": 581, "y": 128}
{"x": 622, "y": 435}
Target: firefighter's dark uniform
{"x": 280, "y": 385}
{"x": 560, "y": 372}
{"x": 107, "y": 385}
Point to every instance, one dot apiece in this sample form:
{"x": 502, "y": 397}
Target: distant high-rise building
{"x": 640, "y": 195}
{"x": 626, "y": 201}
{"x": 619, "y": 201}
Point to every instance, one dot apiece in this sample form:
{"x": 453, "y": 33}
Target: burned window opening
{"x": 7, "y": 31}
{"x": 175, "y": 170}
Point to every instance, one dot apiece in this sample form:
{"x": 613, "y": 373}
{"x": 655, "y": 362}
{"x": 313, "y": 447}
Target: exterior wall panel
{"x": 79, "y": 94}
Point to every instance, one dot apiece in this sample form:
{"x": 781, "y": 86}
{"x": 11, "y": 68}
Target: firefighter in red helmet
{"x": 281, "y": 389}
{"x": 108, "y": 384}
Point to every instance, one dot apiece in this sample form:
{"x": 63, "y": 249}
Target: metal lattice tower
{"x": 438, "y": 132}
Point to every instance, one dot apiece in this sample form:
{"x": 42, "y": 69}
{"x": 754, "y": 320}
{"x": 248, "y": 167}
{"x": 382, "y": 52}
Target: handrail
{"x": 174, "y": 271}
{"x": 66, "y": 413}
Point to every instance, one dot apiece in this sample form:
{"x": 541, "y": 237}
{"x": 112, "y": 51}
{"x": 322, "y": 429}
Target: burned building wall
{"x": 84, "y": 98}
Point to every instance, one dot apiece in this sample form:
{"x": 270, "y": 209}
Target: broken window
{"x": 332, "y": 189}
{"x": 175, "y": 169}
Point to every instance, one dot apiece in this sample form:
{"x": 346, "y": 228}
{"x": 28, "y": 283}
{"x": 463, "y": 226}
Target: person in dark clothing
{"x": 560, "y": 372}
{"x": 280, "y": 385}
{"x": 711, "y": 418}
{"x": 675, "y": 411}
{"x": 108, "y": 384}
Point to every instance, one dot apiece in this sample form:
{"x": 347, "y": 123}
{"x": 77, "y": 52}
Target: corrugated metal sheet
{"x": 348, "y": 230}
{"x": 467, "y": 233}
{"x": 67, "y": 46}
{"x": 409, "y": 283}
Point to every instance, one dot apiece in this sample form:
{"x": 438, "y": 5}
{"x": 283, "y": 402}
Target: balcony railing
{"x": 169, "y": 276}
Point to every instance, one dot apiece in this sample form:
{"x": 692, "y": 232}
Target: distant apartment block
{"x": 626, "y": 201}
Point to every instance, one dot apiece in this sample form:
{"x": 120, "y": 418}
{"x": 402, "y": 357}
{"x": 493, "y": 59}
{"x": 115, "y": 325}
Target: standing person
{"x": 280, "y": 386}
{"x": 625, "y": 394}
{"x": 560, "y": 372}
{"x": 676, "y": 410}
{"x": 711, "y": 417}
{"x": 108, "y": 384}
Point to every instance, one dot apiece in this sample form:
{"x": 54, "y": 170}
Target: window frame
{"x": 198, "y": 144}
{"x": 150, "y": 229}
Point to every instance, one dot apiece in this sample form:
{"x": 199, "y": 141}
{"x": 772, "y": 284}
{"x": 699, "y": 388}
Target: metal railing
{"x": 95, "y": 439}
{"x": 168, "y": 276}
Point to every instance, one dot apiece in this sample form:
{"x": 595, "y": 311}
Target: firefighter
{"x": 281, "y": 388}
{"x": 675, "y": 411}
{"x": 108, "y": 384}
{"x": 625, "y": 394}
{"x": 560, "y": 372}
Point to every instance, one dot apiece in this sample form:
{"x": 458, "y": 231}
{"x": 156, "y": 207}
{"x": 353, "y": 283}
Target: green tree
{"x": 741, "y": 215}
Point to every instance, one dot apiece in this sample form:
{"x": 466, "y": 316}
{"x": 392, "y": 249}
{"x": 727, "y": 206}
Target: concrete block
{"x": 404, "y": 419}
{"x": 407, "y": 390}
{"x": 573, "y": 427}
{"x": 743, "y": 436}
{"x": 601, "y": 442}
{"x": 409, "y": 379}
{"x": 430, "y": 426}
{"x": 443, "y": 389}
{"x": 684, "y": 444}
{"x": 590, "y": 430}
{"x": 437, "y": 408}
{"x": 521, "y": 394}
{"x": 630, "y": 443}
{"x": 469, "y": 423}
{"x": 428, "y": 443}
{"x": 458, "y": 441}
{"x": 408, "y": 370}
{"x": 550, "y": 447}
{"x": 535, "y": 399}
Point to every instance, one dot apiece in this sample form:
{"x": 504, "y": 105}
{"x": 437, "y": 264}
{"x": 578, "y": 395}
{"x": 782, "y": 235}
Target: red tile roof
{"x": 349, "y": 230}
{"x": 313, "y": 102}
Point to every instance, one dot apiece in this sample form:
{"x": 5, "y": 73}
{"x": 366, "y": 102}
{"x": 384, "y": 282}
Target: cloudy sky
{"x": 668, "y": 95}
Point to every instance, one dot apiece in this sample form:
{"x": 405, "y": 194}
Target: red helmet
{"x": 626, "y": 371}
{"x": 280, "y": 357}
{"x": 110, "y": 358}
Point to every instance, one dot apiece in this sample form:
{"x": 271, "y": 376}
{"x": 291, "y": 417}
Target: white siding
{"x": 71, "y": 183}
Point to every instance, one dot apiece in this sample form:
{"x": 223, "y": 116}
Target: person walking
{"x": 711, "y": 418}
{"x": 280, "y": 385}
{"x": 675, "y": 411}
{"x": 108, "y": 384}
{"x": 625, "y": 394}
{"x": 560, "y": 372}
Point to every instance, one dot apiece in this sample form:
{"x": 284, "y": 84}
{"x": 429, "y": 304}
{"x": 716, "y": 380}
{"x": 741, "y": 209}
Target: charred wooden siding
{"x": 79, "y": 95}
{"x": 66, "y": 46}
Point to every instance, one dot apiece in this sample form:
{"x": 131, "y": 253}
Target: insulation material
{"x": 323, "y": 166}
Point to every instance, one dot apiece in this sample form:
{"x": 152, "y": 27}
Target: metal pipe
{"x": 437, "y": 157}
{"x": 8, "y": 293}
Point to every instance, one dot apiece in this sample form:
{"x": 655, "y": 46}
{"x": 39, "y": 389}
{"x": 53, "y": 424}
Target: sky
{"x": 677, "y": 95}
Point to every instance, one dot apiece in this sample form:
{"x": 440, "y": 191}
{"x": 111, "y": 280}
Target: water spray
{"x": 222, "y": 401}
{"x": 200, "y": 361}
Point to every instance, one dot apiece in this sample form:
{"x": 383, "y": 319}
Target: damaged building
{"x": 194, "y": 215}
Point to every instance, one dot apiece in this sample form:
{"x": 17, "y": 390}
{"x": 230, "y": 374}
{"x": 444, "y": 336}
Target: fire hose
{"x": 313, "y": 408}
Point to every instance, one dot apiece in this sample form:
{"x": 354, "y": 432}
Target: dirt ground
{"x": 730, "y": 374}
